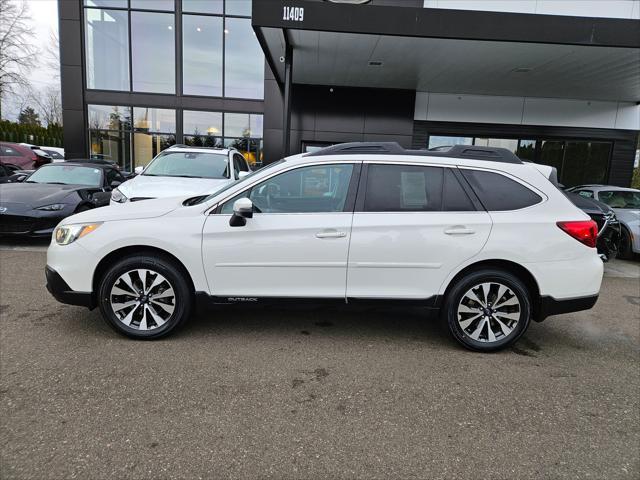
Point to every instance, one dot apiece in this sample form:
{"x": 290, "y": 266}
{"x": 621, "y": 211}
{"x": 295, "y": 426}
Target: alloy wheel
{"x": 142, "y": 299}
{"x": 489, "y": 312}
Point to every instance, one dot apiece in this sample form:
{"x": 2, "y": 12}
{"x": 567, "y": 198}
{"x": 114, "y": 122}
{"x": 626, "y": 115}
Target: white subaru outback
{"x": 474, "y": 232}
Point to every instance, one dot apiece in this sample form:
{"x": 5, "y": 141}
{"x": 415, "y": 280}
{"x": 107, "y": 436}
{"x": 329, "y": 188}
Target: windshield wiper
{"x": 185, "y": 176}
{"x": 56, "y": 183}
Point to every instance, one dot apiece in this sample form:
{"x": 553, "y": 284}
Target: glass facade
{"x": 132, "y": 136}
{"x": 243, "y": 76}
{"x": 153, "y": 52}
{"x": 577, "y": 161}
{"x": 130, "y": 45}
{"x": 202, "y": 51}
{"x": 107, "y": 49}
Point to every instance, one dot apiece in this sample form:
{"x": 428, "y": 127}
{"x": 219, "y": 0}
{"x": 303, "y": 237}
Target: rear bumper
{"x": 63, "y": 293}
{"x": 548, "y": 306}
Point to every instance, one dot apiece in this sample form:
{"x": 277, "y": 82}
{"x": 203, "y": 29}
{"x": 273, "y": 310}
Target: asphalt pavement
{"x": 245, "y": 392}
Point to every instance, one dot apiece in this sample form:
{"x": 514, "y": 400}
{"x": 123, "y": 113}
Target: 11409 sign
{"x": 295, "y": 14}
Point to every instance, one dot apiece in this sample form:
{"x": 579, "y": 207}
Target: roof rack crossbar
{"x": 471, "y": 152}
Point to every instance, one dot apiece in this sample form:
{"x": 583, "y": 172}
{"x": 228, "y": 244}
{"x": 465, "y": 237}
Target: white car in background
{"x": 625, "y": 202}
{"x": 183, "y": 171}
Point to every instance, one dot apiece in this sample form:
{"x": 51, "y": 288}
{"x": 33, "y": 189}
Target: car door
{"x": 412, "y": 226}
{"x": 297, "y": 242}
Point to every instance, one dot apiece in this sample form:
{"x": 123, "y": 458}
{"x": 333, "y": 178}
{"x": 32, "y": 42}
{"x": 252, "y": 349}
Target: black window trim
{"x": 349, "y": 203}
{"x": 362, "y": 187}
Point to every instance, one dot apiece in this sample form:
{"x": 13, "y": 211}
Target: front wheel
{"x": 488, "y": 310}
{"x": 144, "y": 297}
{"x": 625, "y": 251}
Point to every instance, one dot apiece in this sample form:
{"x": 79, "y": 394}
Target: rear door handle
{"x": 459, "y": 230}
{"x": 330, "y": 234}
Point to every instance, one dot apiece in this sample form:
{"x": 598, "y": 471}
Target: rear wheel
{"x": 144, "y": 297}
{"x": 488, "y": 310}
{"x": 624, "y": 251}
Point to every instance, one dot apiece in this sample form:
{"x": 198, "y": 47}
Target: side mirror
{"x": 115, "y": 184}
{"x": 21, "y": 178}
{"x": 242, "y": 175}
{"x": 242, "y": 209}
{"x": 138, "y": 170}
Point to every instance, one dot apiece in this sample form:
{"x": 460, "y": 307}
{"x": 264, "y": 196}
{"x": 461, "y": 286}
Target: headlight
{"x": 67, "y": 234}
{"x": 51, "y": 208}
{"x": 118, "y": 196}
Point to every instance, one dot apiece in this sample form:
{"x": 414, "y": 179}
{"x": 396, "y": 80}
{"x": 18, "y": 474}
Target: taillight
{"x": 585, "y": 231}
{"x": 34, "y": 158}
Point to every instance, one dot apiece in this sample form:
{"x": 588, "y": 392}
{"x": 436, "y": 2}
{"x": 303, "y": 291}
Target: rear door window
{"x": 411, "y": 188}
{"x": 498, "y": 192}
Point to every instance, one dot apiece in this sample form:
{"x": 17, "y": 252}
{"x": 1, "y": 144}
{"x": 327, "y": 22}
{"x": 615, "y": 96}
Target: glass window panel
{"x": 585, "y": 162}
{"x": 154, "y": 120}
{"x": 114, "y": 146}
{"x": 153, "y": 4}
{"x": 403, "y": 188}
{"x": 244, "y": 60}
{"x": 446, "y": 141}
{"x": 148, "y": 145}
{"x": 507, "y": 143}
{"x": 107, "y": 117}
{"x": 255, "y": 125}
{"x": 500, "y": 193}
{"x": 202, "y": 6}
{"x": 107, "y": 49}
{"x": 237, "y": 125}
{"x": 106, "y": 3}
{"x": 202, "y": 57}
{"x": 153, "y": 52}
{"x": 202, "y": 140}
{"x": 250, "y": 148}
{"x": 238, "y": 7}
{"x": 202, "y": 123}
{"x": 527, "y": 150}
{"x": 304, "y": 190}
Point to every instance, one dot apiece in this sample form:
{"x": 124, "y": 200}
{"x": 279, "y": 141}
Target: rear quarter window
{"x": 498, "y": 192}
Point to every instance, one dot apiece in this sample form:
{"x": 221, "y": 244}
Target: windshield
{"x": 67, "y": 175}
{"x": 190, "y": 165}
{"x": 620, "y": 199}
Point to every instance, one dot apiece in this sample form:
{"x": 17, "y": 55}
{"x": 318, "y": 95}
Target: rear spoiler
{"x": 550, "y": 173}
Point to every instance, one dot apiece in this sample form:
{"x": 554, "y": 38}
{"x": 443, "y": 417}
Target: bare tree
{"x": 17, "y": 55}
{"x": 49, "y": 104}
{"x": 52, "y": 53}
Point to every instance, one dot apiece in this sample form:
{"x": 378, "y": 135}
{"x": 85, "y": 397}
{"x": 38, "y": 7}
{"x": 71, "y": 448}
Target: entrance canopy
{"x": 450, "y": 51}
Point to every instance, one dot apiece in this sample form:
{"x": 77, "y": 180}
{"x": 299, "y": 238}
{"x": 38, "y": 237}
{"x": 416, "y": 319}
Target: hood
{"x": 157, "y": 187}
{"x": 36, "y": 194}
{"x": 128, "y": 211}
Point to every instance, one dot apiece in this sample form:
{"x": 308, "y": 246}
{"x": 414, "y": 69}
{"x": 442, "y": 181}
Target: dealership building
{"x": 555, "y": 81}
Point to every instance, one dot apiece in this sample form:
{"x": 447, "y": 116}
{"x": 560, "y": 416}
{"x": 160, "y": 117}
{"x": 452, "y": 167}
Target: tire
{"x": 508, "y": 316}
{"x": 624, "y": 251}
{"x": 144, "y": 318}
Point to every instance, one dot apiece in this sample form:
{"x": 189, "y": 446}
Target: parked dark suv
{"x": 22, "y": 157}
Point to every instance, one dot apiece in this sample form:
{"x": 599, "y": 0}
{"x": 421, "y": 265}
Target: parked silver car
{"x": 626, "y": 203}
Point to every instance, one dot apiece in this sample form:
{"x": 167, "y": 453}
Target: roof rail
{"x": 494, "y": 154}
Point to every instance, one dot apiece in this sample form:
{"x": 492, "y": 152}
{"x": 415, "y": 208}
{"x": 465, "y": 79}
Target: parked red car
{"x": 22, "y": 157}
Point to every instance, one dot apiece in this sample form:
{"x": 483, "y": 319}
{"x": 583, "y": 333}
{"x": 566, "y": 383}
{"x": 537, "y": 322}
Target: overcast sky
{"x": 44, "y": 16}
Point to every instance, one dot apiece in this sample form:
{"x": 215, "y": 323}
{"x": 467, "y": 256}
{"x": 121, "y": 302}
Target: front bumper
{"x": 548, "y": 306}
{"x": 64, "y": 294}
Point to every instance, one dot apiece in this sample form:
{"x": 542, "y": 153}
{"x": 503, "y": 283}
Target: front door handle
{"x": 330, "y": 234}
{"x": 459, "y": 230}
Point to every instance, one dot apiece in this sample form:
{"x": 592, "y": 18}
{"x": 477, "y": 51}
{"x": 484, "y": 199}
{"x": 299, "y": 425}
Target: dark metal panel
{"x": 69, "y": 9}
{"x": 70, "y": 46}
{"x": 444, "y": 23}
{"x": 288, "y": 84}
{"x": 75, "y": 134}
{"x": 71, "y": 87}
{"x": 172, "y": 101}
{"x": 622, "y": 158}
